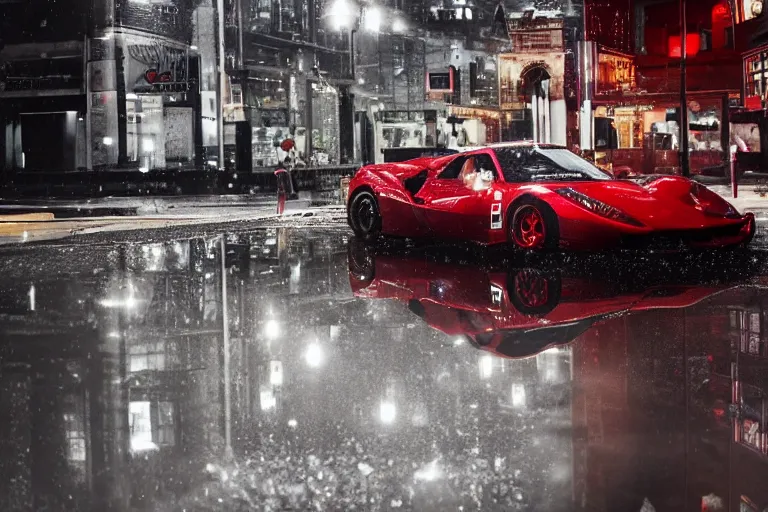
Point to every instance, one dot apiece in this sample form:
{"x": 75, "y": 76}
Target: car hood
{"x": 663, "y": 202}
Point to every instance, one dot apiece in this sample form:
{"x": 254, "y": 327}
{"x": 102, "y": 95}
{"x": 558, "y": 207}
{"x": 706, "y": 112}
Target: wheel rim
{"x": 528, "y": 230}
{"x": 365, "y": 213}
{"x": 531, "y": 289}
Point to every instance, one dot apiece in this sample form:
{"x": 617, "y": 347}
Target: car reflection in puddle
{"x": 517, "y": 311}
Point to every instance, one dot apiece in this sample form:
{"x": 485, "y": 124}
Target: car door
{"x": 455, "y": 209}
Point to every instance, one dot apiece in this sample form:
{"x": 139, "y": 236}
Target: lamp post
{"x": 684, "y": 163}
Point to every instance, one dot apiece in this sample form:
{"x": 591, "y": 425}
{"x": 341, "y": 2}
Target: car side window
{"x": 484, "y": 162}
{"x": 453, "y": 169}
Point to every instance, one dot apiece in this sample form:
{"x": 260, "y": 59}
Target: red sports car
{"x": 536, "y": 197}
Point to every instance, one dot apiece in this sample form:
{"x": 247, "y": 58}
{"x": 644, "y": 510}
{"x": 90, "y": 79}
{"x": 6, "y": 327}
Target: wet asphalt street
{"x": 282, "y": 366}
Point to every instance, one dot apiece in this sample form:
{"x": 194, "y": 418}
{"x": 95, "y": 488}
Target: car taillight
{"x": 712, "y": 204}
{"x": 597, "y": 207}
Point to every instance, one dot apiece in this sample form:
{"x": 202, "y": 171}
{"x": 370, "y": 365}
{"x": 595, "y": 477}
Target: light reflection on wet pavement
{"x": 378, "y": 379}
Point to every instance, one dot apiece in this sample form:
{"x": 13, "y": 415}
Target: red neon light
{"x": 692, "y": 45}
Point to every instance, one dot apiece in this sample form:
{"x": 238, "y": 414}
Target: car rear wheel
{"x": 364, "y": 216}
{"x": 533, "y": 226}
{"x": 362, "y": 263}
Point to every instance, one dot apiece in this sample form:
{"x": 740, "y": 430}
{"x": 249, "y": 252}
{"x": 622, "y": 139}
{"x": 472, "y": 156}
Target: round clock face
{"x": 757, "y": 7}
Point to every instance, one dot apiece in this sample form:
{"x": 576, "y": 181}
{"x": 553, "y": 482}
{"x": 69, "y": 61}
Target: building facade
{"x": 290, "y": 72}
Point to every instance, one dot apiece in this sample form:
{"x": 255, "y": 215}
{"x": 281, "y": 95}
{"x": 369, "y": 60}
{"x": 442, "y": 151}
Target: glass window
{"x": 452, "y": 170}
{"x": 746, "y": 137}
{"x": 523, "y": 164}
{"x": 166, "y": 434}
{"x": 140, "y": 423}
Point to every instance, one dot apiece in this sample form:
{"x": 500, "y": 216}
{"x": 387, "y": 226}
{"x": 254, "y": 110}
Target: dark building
{"x": 99, "y": 86}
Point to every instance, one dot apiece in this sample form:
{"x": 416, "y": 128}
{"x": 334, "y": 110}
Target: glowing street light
{"x": 372, "y": 19}
{"x": 271, "y": 329}
{"x": 314, "y": 355}
{"x": 341, "y": 14}
{"x": 387, "y": 413}
{"x": 399, "y": 26}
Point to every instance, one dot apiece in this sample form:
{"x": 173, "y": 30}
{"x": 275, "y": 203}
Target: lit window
{"x": 75, "y": 437}
{"x": 152, "y": 424}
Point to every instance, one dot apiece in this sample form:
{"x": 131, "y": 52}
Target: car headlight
{"x": 597, "y": 207}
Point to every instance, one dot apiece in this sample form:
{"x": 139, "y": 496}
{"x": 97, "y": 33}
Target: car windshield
{"x": 523, "y": 164}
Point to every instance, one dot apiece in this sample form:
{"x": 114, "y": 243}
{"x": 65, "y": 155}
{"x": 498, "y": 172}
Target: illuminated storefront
{"x": 276, "y": 109}
{"x": 641, "y": 130}
{"x": 161, "y": 104}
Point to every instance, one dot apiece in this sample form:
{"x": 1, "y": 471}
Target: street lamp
{"x": 271, "y": 329}
{"x": 314, "y": 355}
{"x": 387, "y": 412}
{"x": 372, "y": 19}
{"x": 342, "y": 14}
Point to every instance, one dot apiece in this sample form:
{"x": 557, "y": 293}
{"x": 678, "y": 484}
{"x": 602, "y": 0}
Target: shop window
{"x": 267, "y": 98}
{"x": 747, "y": 325}
{"x": 751, "y": 421}
{"x": 74, "y": 428}
{"x": 325, "y": 125}
{"x": 152, "y": 424}
{"x": 140, "y": 424}
{"x": 756, "y": 75}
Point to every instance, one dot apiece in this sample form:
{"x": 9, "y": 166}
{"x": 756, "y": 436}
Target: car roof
{"x": 516, "y": 144}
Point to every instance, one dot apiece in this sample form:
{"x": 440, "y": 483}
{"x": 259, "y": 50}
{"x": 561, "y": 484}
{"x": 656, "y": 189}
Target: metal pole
{"x": 684, "y": 167}
{"x": 352, "y": 53}
{"x": 240, "y": 59}
{"x": 222, "y": 82}
{"x": 227, "y": 355}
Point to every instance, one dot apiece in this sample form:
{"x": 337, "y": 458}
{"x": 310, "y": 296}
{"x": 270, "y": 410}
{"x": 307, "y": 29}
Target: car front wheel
{"x": 533, "y": 226}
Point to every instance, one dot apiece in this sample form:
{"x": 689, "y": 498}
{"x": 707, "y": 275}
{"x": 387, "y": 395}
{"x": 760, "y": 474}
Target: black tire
{"x": 533, "y": 292}
{"x": 551, "y": 224}
{"x": 363, "y": 215}
{"x": 362, "y": 262}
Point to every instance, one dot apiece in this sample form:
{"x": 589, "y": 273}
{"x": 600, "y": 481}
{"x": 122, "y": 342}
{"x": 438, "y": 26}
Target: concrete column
{"x": 547, "y": 136}
{"x": 535, "y": 116}
{"x": 542, "y": 121}
{"x": 558, "y": 113}
{"x": 102, "y": 120}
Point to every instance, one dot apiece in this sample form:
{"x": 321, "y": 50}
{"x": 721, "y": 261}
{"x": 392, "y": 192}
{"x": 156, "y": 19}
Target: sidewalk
{"x": 200, "y": 205}
{"x": 747, "y": 201}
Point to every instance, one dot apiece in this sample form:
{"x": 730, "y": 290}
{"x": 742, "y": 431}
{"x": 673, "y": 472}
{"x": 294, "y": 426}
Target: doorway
{"x": 48, "y": 141}
{"x": 536, "y": 98}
